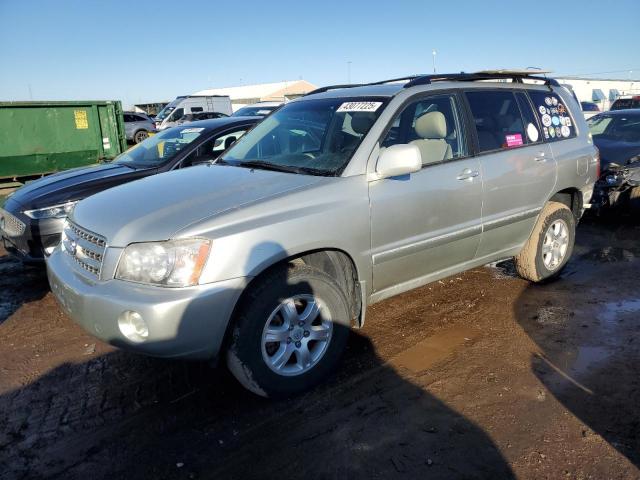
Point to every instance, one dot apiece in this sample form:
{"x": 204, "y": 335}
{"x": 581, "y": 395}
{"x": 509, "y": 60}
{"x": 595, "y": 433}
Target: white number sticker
{"x": 359, "y": 107}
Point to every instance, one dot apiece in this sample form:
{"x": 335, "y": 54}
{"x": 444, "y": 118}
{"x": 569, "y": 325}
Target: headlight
{"x": 55, "y": 211}
{"x": 176, "y": 263}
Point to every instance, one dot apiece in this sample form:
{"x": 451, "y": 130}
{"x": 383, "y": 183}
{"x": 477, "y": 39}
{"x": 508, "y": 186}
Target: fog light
{"x": 133, "y": 326}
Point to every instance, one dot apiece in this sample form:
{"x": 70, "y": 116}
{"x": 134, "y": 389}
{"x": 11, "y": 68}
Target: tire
{"x": 140, "y": 136}
{"x": 547, "y": 251}
{"x": 280, "y": 300}
{"x": 634, "y": 201}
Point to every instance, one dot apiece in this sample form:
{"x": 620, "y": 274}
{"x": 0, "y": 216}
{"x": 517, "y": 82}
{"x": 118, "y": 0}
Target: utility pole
{"x": 433, "y": 53}
{"x": 30, "y": 93}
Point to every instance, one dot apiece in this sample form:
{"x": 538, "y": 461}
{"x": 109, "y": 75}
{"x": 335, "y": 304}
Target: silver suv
{"x": 340, "y": 199}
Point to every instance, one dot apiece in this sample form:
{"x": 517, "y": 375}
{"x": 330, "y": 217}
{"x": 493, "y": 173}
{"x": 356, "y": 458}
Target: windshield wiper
{"x": 262, "y": 165}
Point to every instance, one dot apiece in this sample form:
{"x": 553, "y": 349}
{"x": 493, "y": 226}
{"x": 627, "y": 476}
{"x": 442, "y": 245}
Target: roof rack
{"x": 516, "y": 77}
{"x": 353, "y": 85}
{"x": 414, "y": 80}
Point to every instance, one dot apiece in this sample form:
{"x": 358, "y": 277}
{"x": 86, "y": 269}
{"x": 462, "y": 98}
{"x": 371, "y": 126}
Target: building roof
{"x": 263, "y": 91}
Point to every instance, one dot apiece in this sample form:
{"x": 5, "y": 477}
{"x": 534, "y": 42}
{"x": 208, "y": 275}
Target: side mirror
{"x": 399, "y": 160}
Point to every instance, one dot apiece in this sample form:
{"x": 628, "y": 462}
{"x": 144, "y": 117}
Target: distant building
{"x": 602, "y": 92}
{"x": 262, "y": 92}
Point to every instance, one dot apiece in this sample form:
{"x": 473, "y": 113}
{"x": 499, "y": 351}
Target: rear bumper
{"x": 182, "y": 322}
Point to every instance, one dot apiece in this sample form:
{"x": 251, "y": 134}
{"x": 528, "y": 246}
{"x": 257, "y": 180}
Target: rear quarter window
{"x": 555, "y": 118}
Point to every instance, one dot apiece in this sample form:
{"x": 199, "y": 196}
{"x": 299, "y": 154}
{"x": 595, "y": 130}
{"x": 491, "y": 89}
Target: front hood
{"x": 615, "y": 151}
{"x": 71, "y": 185}
{"x": 157, "y": 207}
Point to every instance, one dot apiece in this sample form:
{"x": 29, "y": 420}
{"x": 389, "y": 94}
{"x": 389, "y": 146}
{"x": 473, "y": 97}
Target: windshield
{"x": 625, "y": 128}
{"x": 308, "y": 136}
{"x": 160, "y": 148}
{"x": 254, "y": 111}
{"x": 170, "y": 107}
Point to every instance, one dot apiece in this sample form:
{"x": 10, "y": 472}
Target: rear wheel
{"x": 550, "y": 245}
{"x": 289, "y": 332}
{"x": 140, "y": 136}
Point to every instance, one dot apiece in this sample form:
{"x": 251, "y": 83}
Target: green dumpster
{"x": 37, "y": 138}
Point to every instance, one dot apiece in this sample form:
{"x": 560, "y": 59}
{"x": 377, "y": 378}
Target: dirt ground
{"x": 481, "y": 375}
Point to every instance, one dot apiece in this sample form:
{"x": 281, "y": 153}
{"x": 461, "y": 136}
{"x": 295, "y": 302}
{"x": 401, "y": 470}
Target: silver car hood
{"x": 157, "y": 207}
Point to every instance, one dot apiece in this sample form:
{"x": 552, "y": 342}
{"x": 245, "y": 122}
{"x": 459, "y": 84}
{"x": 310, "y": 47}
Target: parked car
{"x": 626, "y": 102}
{"x": 589, "y": 109}
{"x": 337, "y": 200}
{"x": 194, "y": 117}
{"x": 260, "y": 109}
{"x": 33, "y": 216}
{"x": 137, "y": 126}
{"x": 184, "y": 105}
{"x": 617, "y": 136}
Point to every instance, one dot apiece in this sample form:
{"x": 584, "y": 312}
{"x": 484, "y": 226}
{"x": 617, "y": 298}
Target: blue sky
{"x": 138, "y": 51}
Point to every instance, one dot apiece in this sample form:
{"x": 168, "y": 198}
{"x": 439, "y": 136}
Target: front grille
{"x": 84, "y": 247}
{"x": 10, "y": 224}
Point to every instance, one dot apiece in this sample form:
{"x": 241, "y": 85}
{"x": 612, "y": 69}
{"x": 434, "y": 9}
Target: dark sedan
{"x": 32, "y": 217}
{"x": 617, "y": 136}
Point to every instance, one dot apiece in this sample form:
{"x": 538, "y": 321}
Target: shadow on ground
{"x": 19, "y": 284}
{"x": 125, "y": 416}
{"x": 589, "y": 361}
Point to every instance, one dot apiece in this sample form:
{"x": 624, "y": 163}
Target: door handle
{"x": 540, "y": 157}
{"x": 468, "y": 174}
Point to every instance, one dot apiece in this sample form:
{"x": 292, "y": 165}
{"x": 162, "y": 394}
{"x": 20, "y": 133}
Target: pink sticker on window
{"x": 514, "y": 140}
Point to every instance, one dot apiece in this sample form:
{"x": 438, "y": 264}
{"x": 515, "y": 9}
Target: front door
{"x": 429, "y": 221}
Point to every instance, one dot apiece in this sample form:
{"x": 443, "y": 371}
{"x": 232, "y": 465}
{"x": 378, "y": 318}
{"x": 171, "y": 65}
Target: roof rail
{"x": 353, "y": 85}
{"x": 473, "y": 77}
{"x": 414, "y": 80}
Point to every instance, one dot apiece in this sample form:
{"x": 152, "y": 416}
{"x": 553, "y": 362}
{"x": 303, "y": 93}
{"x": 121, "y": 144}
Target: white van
{"x": 184, "y": 105}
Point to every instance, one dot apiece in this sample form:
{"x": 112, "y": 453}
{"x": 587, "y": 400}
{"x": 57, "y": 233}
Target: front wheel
{"x": 289, "y": 332}
{"x": 550, "y": 244}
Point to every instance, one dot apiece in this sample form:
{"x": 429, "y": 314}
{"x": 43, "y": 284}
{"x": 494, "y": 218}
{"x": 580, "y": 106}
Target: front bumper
{"x": 183, "y": 322}
{"x": 37, "y": 235}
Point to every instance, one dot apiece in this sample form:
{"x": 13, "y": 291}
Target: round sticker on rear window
{"x": 542, "y": 109}
{"x": 565, "y": 131}
{"x": 547, "y": 100}
{"x": 532, "y": 132}
{"x": 546, "y": 120}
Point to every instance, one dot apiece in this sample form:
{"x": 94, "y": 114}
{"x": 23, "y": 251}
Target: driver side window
{"x": 434, "y": 125}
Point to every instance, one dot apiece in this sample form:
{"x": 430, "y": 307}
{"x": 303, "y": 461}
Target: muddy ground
{"x": 481, "y": 375}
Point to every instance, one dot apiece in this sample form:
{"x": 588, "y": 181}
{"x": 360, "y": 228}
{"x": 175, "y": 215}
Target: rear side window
{"x": 532, "y": 127}
{"x": 554, "y": 116}
{"x": 498, "y": 121}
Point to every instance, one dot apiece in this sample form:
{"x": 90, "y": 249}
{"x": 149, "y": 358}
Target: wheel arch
{"x": 333, "y": 261}
{"x": 572, "y": 198}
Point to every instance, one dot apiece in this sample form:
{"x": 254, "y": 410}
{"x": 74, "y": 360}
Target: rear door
{"x": 518, "y": 168}
{"x": 429, "y": 221}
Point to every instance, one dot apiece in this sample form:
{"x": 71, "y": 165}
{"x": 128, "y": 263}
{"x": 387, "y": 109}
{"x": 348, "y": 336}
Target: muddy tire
{"x": 289, "y": 332}
{"x": 550, "y": 245}
{"x": 140, "y": 136}
{"x": 634, "y": 201}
